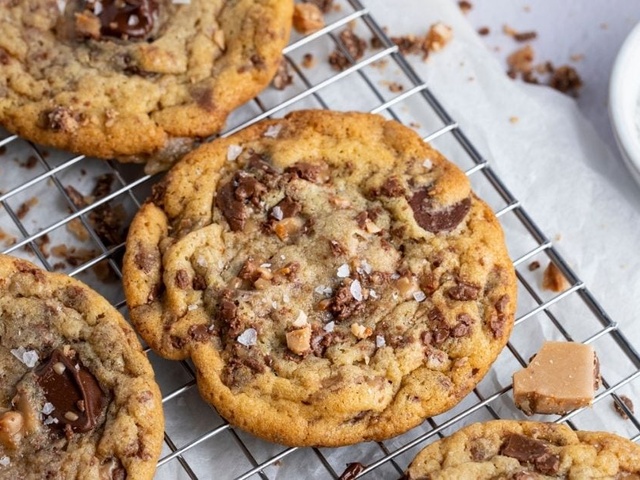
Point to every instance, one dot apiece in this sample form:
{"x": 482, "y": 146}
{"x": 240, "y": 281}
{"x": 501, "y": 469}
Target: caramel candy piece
{"x": 561, "y": 377}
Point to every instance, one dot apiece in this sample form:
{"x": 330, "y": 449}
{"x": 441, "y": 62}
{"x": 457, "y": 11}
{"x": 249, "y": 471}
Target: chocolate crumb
{"x": 629, "y": 404}
{"x": 352, "y": 471}
{"x": 308, "y": 60}
{"x": 25, "y": 207}
{"x": 525, "y": 36}
{"x": 566, "y": 80}
{"x": 353, "y": 44}
{"x": 484, "y": 31}
{"x": 533, "y": 266}
{"x": 465, "y": 6}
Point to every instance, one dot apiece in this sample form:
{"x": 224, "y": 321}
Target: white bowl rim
{"x": 624, "y": 95}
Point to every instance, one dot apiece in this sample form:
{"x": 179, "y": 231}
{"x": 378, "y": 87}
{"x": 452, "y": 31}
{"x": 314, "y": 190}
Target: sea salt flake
{"x": 428, "y": 164}
{"x": 97, "y": 8}
{"x": 276, "y": 212}
{"x": 373, "y": 294}
{"x": 343, "y": 271}
{"x": 301, "y": 321}
{"x": 47, "y": 408}
{"x": 273, "y": 131}
{"x": 181, "y": 2}
{"x": 28, "y": 357}
{"x": 50, "y": 420}
{"x": 329, "y": 327}
{"x": 323, "y": 290}
{"x": 265, "y": 265}
{"x": 62, "y": 4}
{"x": 356, "y": 290}
{"x": 133, "y": 20}
{"x": 380, "y": 341}
{"x": 366, "y": 268}
{"x": 248, "y": 338}
{"x": 274, "y": 305}
{"x": 5, "y": 461}
{"x": 233, "y": 152}
{"x": 192, "y": 307}
{"x": 395, "y": 276}
{"x": 419, "y": 296}
{"x": 285, "y": 298}
{"x": 201, "y": 261}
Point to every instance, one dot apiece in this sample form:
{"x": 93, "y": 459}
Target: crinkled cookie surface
{"x": 333, "y": 278}
{"x": 526, "y": 451}
{"x": 136, "y": 80}
{"x": 78, "y": 397}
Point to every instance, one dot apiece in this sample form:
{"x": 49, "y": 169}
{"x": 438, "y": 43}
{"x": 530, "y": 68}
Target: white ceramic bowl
{"x": 624, "y": 98}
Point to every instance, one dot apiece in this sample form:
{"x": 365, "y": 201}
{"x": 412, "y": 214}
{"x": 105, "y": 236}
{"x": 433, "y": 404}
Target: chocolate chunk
{"x": 441, "y": 220}
{"x": 145, "y": 261}
{"x": 361, "y": 220}
{"x": 463, "y": 327}
{"x": 463, "y": 292}
{"x": 182, "y": 279}
{"x": 312, "y": 172}
{"x": 289, "y": 207}
{"x": 343, "y": 305}
{"x": 199, "y": 333}
{"x": 228, "y": 310}
{"x": 496, "y": 324}
{"x": 125, "y": 19}
{"x": 352, "y": 471}
{"x": 248, "y": 188}
{"x": 629, "y": 404}
{"x": 392, "y": 188}
{"x": 233, "y": 209}
{"x": 64, "y": 390}
{"x": 525, "y": 449}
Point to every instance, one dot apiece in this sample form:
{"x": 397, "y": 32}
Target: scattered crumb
{"x": 308, "y": 60}
{"x": 629, "y": 404}
{"x": 484, "y": 31}
{"x": 577, "y": 57}
{"x": 7, "y": 239}
{"x": 394, "y": 87}
{"x": 323, "y": 5}
{"x": 533, "y": 266}
{"x": 525, "y": 36}
{"x": 30, "y": 163}
{"x": 24, "y": 208}
{"x": 77, "y": 229}
{"x": 74, "y": 256}
{"x": 520, "y": 61}
{"x": 415, "y": 125}
{"x": 353, "y": 44}
{"x": 437, "y": 38}
{"x": 553, "y": 279}
{"x": 513, "y": 119}
{"x": 104, "y": 272}
{"x": 43, "y": 244}
{"x": 465, "y": 6}
{"x": 526, "y": 8}
{"x": 283, "y": 78}
{"x": 381, "y": 64}
{"x": 507, "y": 30}
{"x": 604, "y": 26}
{"x": 307, "y": 18}
{"x": 408, "y": 44}
{"x": 352, "y": 471}
{"x": 566, "y": 80}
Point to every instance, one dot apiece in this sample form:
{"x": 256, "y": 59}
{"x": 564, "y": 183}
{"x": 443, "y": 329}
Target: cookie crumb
{"x": 282, "y": 78}
{"x": 566, "y": 80}
{"x": 465, "y": 6}
{"x": 307, "y": 18}
{"x": 308, "y": 60}
{"x": 576, "y": 57}
{"x": 533, "y": 266}
{"x": 553, "y": 279}
{"x": 437, "y": 38}
{"x": 513, "y": 119}
{"x": 629, "y": 404}
{"x": 323, "y": 5}
{"x": 483, "y": 31}
{"x": 25, "y": 207}
{"x": 521, "y": 61}
{"x": 353, "y": 44}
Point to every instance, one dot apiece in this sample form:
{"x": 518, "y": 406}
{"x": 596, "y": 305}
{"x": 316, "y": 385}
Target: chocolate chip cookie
{"x": 137, "y": 80}
{"x": 78, "y": 397}
{"x": 333, "y": 278}
{"x": 525, "y": 451}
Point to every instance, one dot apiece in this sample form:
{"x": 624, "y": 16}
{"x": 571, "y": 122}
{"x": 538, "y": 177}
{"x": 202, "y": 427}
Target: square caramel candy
{"x": 563, "y": 376}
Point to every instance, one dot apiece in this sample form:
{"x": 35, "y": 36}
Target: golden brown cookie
{"x": 78, "y": 397}
{"x": 135, "y": 80}
{"x": 333, "y": 278}
{"x": 526, "y": 451}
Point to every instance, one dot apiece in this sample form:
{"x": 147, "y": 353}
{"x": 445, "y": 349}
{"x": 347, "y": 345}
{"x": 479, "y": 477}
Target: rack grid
{"x": 69, "y": 213}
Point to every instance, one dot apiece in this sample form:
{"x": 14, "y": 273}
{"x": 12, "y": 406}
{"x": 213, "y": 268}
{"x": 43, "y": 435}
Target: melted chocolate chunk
{"x": 289, "y": 207}
{"x": 463, "y": 292}
{"x": 343, "y": 305}
{"x": 70, "y": 388}
{"x": 392, "y": 188}
{"x": 436, "y": 221}
{"x": 125, "y": 18}
{"x": 525, "y": 449}
{"x": 232, "y": 209}
{"x": 316, "y": 173}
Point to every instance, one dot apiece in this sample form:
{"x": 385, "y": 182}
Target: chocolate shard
{"x": 124, "y": 19}
{"x": 529, "y": 450}
{"x": 312, "y": 172}
{"x": 433, "y": 220}
{"x": 67, "y": 384}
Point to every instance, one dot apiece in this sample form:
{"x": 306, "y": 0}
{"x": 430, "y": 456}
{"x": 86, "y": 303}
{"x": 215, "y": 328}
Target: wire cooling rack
{"x": 70, "y": 214}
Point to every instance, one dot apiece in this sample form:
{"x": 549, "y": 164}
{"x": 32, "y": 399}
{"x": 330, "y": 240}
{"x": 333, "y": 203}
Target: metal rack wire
{"x": 196, "y": 438}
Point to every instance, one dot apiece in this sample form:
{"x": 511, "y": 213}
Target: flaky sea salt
{"x": 5, "y": 461}
{"x": 265, "y": 265}
{"x": 356, "y": 290}
{"x": 233, "y": 152}
{"x": 133, "y": 20}
{"x": 428, "y": 164}
{"x": 276, "y": 212}
{"x": 419, "y": 296}
{"x": 373, "y": 294}
{"x": 329, "y": 327}
{"x": 62, "y": 4}
{"x": 50, "y": 420}
{"x": 323, "y": 290}
{"x": 192, "y": 307}
{"x": 28, "y": 357}
{"x": 380, "y": 341}
{"x": 343, "y": 271}
{"x": 301, "y": 321}
{"x": 366, "y": 267}
{"x": 248, "y": 338}
{"x": 181, "y": 2}
{"x": 47, "y": 408}
{"x": 273, "y": 131}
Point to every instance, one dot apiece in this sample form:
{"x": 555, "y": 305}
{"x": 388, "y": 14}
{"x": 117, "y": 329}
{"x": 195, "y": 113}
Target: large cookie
{"x": 526, "y": 451}
{"x": 333, "y": 278}
{"x": 133, "y": 79}
{"x": 78, "y": 397}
